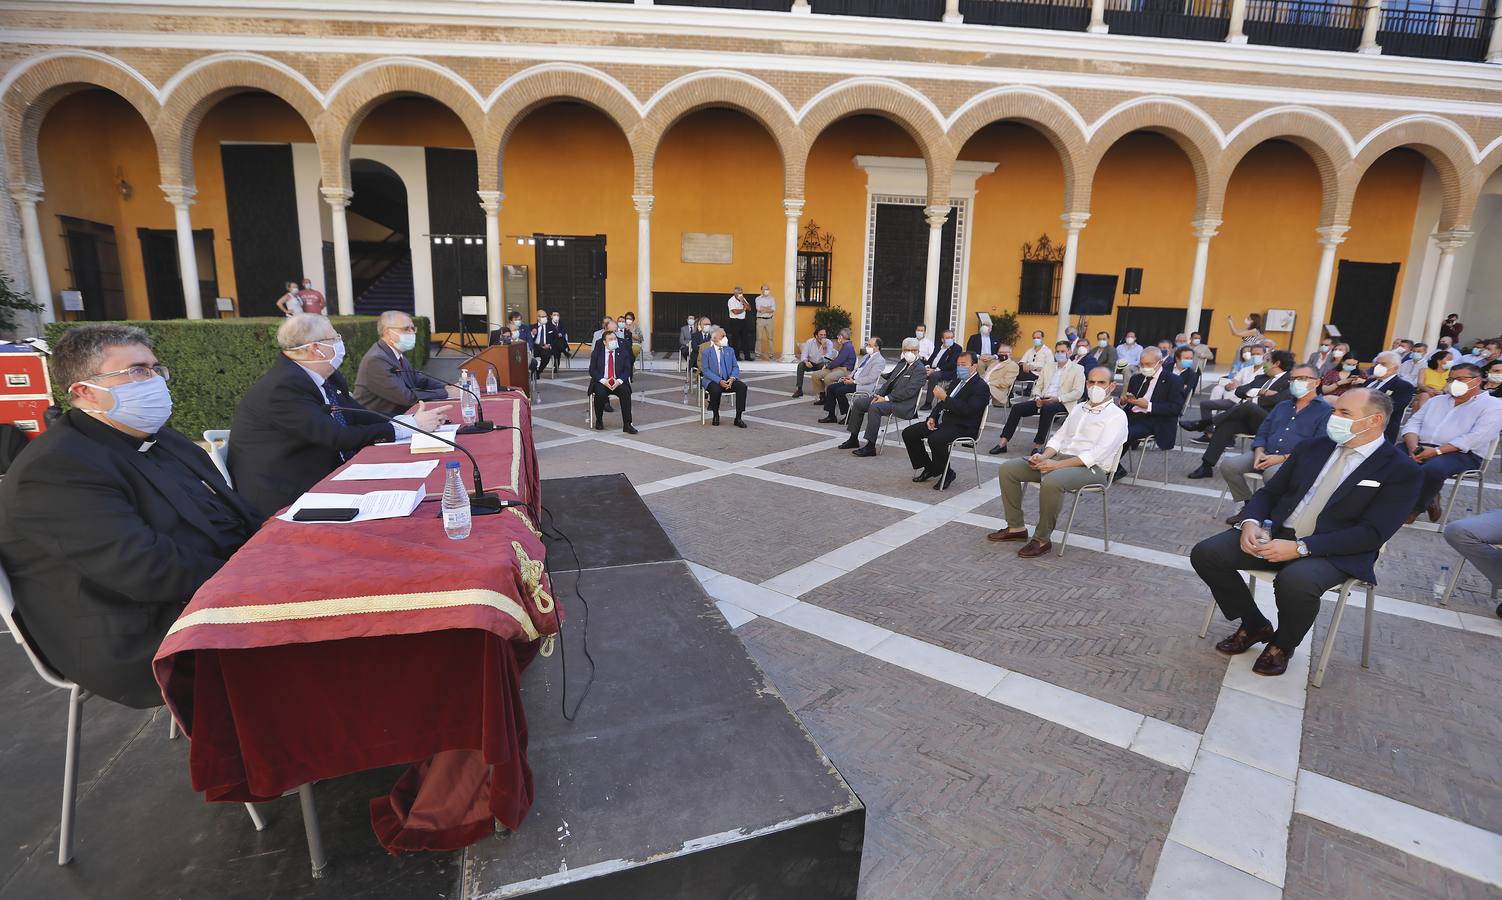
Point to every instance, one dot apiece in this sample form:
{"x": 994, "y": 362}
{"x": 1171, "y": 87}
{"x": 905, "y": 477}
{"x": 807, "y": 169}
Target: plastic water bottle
{"x": 1265, "y": 533}
{"x": 491, "y": 385}
{"x": 455, "y": 503}
{"x": 1441, "y": 583}
{"x": 467, "y": 399}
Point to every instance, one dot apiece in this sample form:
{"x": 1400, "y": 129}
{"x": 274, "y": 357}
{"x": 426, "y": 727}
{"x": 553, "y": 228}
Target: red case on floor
{"x": 26, "y": 413}
{"x": 24, "y": 375}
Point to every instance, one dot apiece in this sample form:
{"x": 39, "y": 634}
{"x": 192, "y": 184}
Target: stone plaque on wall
{"x": 703, "y": 247}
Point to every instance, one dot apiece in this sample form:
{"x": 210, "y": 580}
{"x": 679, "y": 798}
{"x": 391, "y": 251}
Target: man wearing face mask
{"x": 836, "y": 366}
{"x": 1300, "y": 418}
{"x": 941, "y": 366}
{"x": 1153, "y": 399}
{"x": 610, "y": 369}
{"x": 110, "y": 521}
{"x": 1383, "y": 378}
{"x": 1494, "y": 379}
{"x": 1035, "y": 358}
{"x": 1341, "y": 373}
{"x": 925, "y": 343}
{"x": 895, "y": 395}
{"x": 284, "y": 437}
{"x": 1253, "y": 376}
{"x": 1129, "y": 351}
{"x": 863, "y": 379}
{"x": 812, "y": 356}
{"x": 1323, "y": 359}
{"x": 686, "y": 339}
{"x": 1083, "y": 452}
{"x": 980, "y": 343}
{"x": 957, "y": 413}
{"x": 1203, "y": 355}
{"x": 312, "y": 300}
{"x": 1262, "y": 397}
{"x": 1105, "y": 354}
{"x": 1060, "y": 386}
{"x": 1000, "y": 372}
{"x": 1333, "y": 505}
{"x": 1451, "y": 434}
{"x": 1414, "y": 362}
{"x": 386, "y": 382}
{"x": 722, "y": 375}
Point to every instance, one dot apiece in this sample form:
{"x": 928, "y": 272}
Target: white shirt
{"x": 1093, "y": 433}
{"x": 985, "y": 345}
{"x": 1147, "y": 391}
{"x": 1058, "y": 376}
{"x": 1472, "y": 425}
{"x": 766, "y": 304}
{"x": 1353, "y": 460}
{"x": 1037, "y": 357}
{"x": 735, "y": 303}
{"x": 925, "y": 347}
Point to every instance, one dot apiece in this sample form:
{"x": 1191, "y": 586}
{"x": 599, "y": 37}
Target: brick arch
{"x": 354, "y": 100}
{"x": 541, "y": 85}
{"x": 35, "y": 91}
{"x": 1186, "y": 125}
{"x": 751, "y": 96}
{"x": 896, "y": 103}
{"x": 1325, "y": 145}
{"x": 202, "y": 89}
{"x": 1044, "y": 113}
{"x": 1445, "y": 150}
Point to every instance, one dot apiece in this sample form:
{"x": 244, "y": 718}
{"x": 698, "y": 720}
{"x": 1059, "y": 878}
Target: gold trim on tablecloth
{"x": 343, "y": 606}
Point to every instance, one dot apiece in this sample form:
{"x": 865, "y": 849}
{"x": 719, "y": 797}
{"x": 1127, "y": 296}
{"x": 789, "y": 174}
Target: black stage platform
{"x": 684, "y": 774}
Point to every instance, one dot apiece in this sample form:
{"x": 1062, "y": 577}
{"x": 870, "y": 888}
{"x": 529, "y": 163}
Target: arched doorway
{"x": 380, "y": 249}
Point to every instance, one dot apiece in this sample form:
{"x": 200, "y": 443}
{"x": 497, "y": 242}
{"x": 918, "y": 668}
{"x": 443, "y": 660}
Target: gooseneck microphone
{"x": 482, "y": 424}
{"x": 481, "y": 502}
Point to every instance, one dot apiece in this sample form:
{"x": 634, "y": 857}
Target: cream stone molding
{"x": 936, "y": 216}
{"x": 336, "y": 197}
{"x": 1205, "y": 229}
{"x": 26, "y": 194}
{"x": 1074, "y": 222}
{"x": 908, "y": 176}
{"x": 792, "y": 208}
{"x": 178, "y": 195}
{"x": 643, "y": 203}
{"x": 1450, "y": 241}
{"x": 490, "y": 201}
{"x": 1331, "y": 235}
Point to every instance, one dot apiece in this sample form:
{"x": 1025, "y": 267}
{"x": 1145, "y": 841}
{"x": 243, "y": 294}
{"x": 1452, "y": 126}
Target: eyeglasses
{"x": 410, "y": 329}
{"x": 1306, "y": 378}
{"x": 137, "y": 373}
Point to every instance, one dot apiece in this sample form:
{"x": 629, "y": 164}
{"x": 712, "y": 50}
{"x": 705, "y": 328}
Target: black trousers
{"x": 804, "y": 368}
{"x": 742, "y": 334}
{"x": 600, "y": 395}
{"x": 737, "y": 387}
{"x": 1221, "y": 564}
{"x": 1243, "y": 418}
{"x": 934, "y": 459}
{"x": 1046, "y": 414}
{"x": 1436, "y": 470}
{"x": 838, "y": 394}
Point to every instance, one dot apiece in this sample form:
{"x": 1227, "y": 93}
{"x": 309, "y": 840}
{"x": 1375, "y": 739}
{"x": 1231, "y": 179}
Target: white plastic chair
{"x": 966, "y": 443}
{"x": 218, "y": 441}
{"x": 1477, "y": 475}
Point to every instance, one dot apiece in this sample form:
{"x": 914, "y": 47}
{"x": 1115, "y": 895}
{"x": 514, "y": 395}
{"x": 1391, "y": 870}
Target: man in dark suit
{"x": 284, "y": 438}
{"x": 1262, "y": 396}
{"x": 1383, "y": 378}
{"x": 1153, "y": 399}
{"x": 110, "y": 520}
{"x": 698, "y": 341}
{"x": 940, "y": 365}
{"x": 550, "y": 341}
{"x": 610, "y": 368}
{"x": 386, "y": 382}
{"x": 981, "y": 343}
{"x": 957, "y": 414}
{"x": 897, "y": 395}
{"x": 1333, "y": 505}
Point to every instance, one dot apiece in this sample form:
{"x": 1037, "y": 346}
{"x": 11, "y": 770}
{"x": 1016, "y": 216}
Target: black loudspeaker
{"x": 1132, "y": 285}
{"x": 597, "y": 262}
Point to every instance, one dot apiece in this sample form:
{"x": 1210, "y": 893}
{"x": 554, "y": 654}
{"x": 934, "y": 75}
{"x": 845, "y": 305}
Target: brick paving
{"x": 1326, "y": 863}
{"x": 584, "y": 459}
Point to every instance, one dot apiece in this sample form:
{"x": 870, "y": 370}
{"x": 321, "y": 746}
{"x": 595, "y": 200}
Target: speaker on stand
{"x": 1131, "y": 286}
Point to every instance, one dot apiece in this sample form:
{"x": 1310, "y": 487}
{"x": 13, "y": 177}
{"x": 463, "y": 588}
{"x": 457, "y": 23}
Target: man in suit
{"x": 698, "y": 341}
{"x": 957, "y": 413}
{"x": 1153, "y": 399}
{"x": 386, "y": 382}
{"x": 981, "y": 343}
{"x": 721, "y": 375}
{"x": 1248, "y": 415}
{"x": 1269, "y": 378}
{"x": 1333, "y": 505}
{"x": 110, "y": 520}
{"x": 896, "y": 395}
{"x": 1187, "y": 368}
{"x": 1060, "y": 387}
{"x": 1105, "y": 354}
{"x": 551, "y": 342}
{"x": 686, "y": 339}
{"x": 284, "y": 438}
{"x": 940, "y": 364}
{"x": 1383, "y": 378}
{"x": 1000, "y": 373}
{"x": 610, "y": 369}
{"x": 516, "y": 330}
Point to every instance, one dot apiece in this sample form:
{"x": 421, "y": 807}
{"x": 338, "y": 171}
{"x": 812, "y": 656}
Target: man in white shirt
{"x": 925, "y": 343}
{"x": 812, "y": 356}
{"x": 1129, "y": 350}
{"x": 741, "y": 337}
{"x": 1452, "y": 433}
{"x": 1414, "y": 360}
{"x": 766, "y": 308}
{"x": 1084, "y": 451}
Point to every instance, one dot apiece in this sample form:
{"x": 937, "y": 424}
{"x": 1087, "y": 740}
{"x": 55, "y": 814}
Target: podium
{"x": 510, "y": 361}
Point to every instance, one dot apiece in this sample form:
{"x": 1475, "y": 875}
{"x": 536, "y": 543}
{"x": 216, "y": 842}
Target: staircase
{"x": 392, "y": 290}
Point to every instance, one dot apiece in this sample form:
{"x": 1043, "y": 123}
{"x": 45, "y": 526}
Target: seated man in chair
{"x": 721, "y": 375}
{"x": 1333, "y": 505}
{"x": 956, "y": 413}
{"x": 1153, "y": 399}
{"x": 610, "y": 369}
{"x": 896, "y": 395}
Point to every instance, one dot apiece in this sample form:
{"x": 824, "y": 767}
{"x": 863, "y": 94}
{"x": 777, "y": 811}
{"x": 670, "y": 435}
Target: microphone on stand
{"x": 481, "y": 502}
{"x": 482, "y": 424}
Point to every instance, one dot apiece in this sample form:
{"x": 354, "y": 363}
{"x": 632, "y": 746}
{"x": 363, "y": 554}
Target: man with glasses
{"x": 1300, "y": 418}
{"x": 1451, "y": 433}
{"x": 298, "y": 422}
{"x": 110, "y": 520}
{"x": 386, "y": 382}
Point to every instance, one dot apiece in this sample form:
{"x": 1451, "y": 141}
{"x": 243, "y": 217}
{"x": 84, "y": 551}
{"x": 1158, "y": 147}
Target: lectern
{"x": 510, "y": 361}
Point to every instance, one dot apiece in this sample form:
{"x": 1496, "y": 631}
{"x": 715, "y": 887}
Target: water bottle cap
{"x": 451, "y": 464}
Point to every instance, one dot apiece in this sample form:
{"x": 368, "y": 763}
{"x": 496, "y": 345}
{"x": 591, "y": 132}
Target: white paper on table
{"x": 386, "y": 471}
{"x": 422, "y": 443}
{"x": 372, "y": 506}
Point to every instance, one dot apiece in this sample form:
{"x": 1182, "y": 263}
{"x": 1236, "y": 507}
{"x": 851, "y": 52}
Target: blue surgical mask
{"x": 1299, "y": 389}
{"x": 1256, "y": 360}
{"x": 1186, "y": 363}
{"x": 1060, "y": 357}
{"x": 1037, "y": 342}
{"x": 406, "y": 341}
{"x": 143, "y": 405}
{"x": 962, "y": 372}
{"x": 1339, "y": 429}
{"x": 949, "y": 342}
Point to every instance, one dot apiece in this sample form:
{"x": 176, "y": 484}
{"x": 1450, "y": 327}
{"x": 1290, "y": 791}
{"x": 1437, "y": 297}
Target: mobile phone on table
{"x": 337, "y": 514}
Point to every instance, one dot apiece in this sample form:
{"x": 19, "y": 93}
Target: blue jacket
{"x": 623, "y": 362}
{"x": 1365, "y": 511}
{"x": 844, "y": 357}
{"x": 719, "y": 364}
{"x": 1285, "y": 428}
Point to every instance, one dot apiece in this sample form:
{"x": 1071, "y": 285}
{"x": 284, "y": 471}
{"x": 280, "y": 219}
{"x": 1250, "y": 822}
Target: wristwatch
{"x": 1303, "y": 550}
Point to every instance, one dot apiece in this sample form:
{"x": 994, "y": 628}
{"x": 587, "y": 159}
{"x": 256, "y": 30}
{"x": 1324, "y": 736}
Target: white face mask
{"x": 869, "y": 349}
{"x": 723, "y": 342}
{"x": 1494, "y": 377}
{"x": 910, "y": 356}
{"x": 985, "y": 329}
{"x": 611, "y": 344}
{"x": 1246, "y": 357}
{"x": 1338, "y": 354}
{"x": 1458, "y": 389}
{"x": 919, "y": 334}
{"x": 1130, "y": 340}
{"x": 1149, "y": 371}
{"x": 1098, "y": 395}
{"x": 1379, "y": 370}
{"x": 1194, "y": 342}
{"x": 555, "y": 320}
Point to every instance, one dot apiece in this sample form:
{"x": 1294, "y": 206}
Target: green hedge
{"x": 214, "y": 361}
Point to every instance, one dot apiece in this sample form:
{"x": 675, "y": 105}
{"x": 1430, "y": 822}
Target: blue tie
{"x": 338, "y": 414}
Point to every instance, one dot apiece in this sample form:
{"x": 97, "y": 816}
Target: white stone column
{"x": 1330, "y": 237}
{"x": 643, "y": 204}
{"x": 1236, "y": 33}
{"x": 1204, "y": 230}
{"x": 187, "y": 255}
{"x": 338, "y": 199}
{"x": 936, "y": 216}
{"x": 1448, "y": 242}
{"x": 490, "y": 201}
{"x": 792, "y": 210}
{"x": 1370, "y": 22}
{"x": 27, "y": 198}
{"x": 1074, "y": 223}
{"x": 1098, "y": 18}
{"x": 952, "y": 11}
{"x": 801, "y": 8}
{"x": 1494, "y": 46}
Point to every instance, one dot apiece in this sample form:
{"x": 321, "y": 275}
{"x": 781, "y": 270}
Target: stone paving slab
{"x": 1092, "y": 623}
{"x": 887, "y": 473}
{"x": 755, "y": 529}
{"x": 585, "y": 459}
{"x": 573, "y": 413}
{"x": 727, "y": 443}
{"x": 1329, "y": 863}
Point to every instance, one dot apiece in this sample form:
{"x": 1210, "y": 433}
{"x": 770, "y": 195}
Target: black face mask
{"x": 1004, "y": 357}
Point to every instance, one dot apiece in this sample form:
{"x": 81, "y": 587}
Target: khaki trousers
{"x": 1052, "y": 488}
{"x": 764, "y": 347}
{"x": 823, "y": 378}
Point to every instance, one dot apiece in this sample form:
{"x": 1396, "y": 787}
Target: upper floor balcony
{"x": 1464, "y": 30}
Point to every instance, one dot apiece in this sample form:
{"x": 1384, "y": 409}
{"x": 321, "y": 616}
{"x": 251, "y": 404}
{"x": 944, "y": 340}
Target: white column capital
{"x": 1205, "y": 229}
{"x": 952, "y": 12}
{"x": 1331, "y": 235}
{"x": 26, "y": 194}
{"x": 792, "y": 208}
{"x": 336, "y": 197}
{"x": 1074, "y": 222}
{"x": 936, "y": 215}
{"x": 179, "y": 195}
{"x": 490, "y": 201}
{"x": 643, "y": 203}
{"x": 1452, "y": 240}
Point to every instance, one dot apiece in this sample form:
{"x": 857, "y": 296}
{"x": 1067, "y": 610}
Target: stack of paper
{"x": 386, "y": 471}
{"x": 372, "y": 506}
{"x": 422, "y": 443}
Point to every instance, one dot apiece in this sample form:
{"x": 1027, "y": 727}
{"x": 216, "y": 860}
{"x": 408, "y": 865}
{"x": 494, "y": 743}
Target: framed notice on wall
{"x": 72, "y": 301}
{"x": 1279, "y": 320}
{"x": 704, "y": 247}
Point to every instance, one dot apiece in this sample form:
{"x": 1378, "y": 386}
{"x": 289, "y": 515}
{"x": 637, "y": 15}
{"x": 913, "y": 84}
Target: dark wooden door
{"x": 571, "y": 280}
{"x": 94, "y": 268}
{"x": 1363, "y": 301}
{"x": 899, "y": 265}
{"x": 164, "y": 284}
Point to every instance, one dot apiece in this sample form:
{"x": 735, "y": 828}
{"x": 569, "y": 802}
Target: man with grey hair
{"x": 110, "y": 521}
{"x": 720, "y": 375}
{"x": 836, "y": 366}
{"x": 386, "y": 382}
{"x": 298, "y": 422}
{"x": 896, "y": 395}
{"x": 1384, "y": 379}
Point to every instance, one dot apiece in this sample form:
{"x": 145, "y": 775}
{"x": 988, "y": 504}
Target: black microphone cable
{"x": 552, "y": 530}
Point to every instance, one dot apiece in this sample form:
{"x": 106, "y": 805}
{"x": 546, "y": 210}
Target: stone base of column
{"x": 1098, "y": 29}
{"x": 1370, "y": 51}
{"x": 1236, "y": 39}
{"x": 787, "y": 358}
{"x": 954, "y": 19}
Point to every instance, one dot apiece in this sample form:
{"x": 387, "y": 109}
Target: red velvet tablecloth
{"x": 324, "y": 649}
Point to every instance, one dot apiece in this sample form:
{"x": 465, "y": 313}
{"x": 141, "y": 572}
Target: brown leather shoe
{"x": 1273, "y": 661}
{"x": 1412, "y": 517}
{"x": 1244, "y": 640}
{"x": 1007, "y": 534}
{"x": 1435, "y": 510}
{"x": 1034, "y": 549}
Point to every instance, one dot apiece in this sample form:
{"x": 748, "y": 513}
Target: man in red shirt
{"x": 312, "y": 301}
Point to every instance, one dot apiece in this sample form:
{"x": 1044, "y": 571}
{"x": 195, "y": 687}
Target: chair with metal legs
{"x": 891, "y": 422}
{"x": 1477, "y": 475}
{"x": 1104, "y": 490}
{"x": 965, "y": 443}
{"x": 1444, "y": 599}
{"x": 1142, "y": 457}
{"x": 1225, "y": 489}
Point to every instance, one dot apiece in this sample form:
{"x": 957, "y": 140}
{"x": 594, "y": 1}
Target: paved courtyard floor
{"x": 1057, "y": 727}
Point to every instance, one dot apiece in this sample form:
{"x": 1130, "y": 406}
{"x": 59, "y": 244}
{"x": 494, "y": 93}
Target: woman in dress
{"x": 289, "y": 303}
{"x": 1252, "y": 336}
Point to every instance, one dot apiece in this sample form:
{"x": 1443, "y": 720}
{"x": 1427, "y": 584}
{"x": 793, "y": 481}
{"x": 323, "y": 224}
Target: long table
{"x": 319, "y": 650}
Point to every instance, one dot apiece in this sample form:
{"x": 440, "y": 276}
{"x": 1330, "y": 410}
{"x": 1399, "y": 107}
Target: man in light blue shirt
{"x": 1289, "y": 424}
